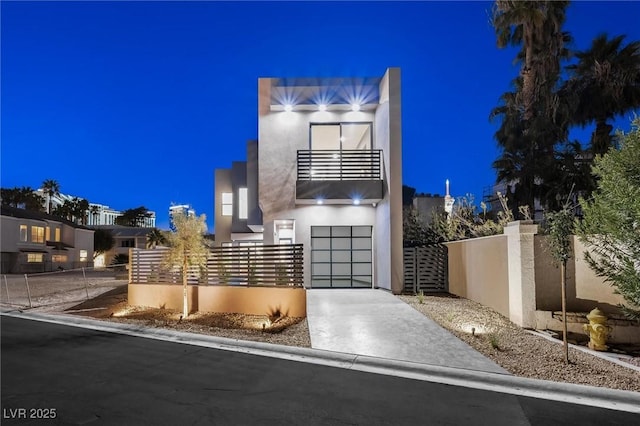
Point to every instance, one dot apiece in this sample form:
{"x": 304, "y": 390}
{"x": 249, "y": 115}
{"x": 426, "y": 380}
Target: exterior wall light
{"x": 355, "y": 107}
{"x": 288, "y": 108}
{"x": 319, "y": 201}
{"x": 322, "y": 107}
{"x": 356, "y": 201}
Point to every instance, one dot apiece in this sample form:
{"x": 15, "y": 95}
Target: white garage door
{"x": 341, "y": 257}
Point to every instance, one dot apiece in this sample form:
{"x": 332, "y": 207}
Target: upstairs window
{"x": 243, "y": 203}
{"x": 37, "y": 234}
{"x": 23, "y": 233}
{"x": 57, "y": 237}
{"x": 227, "y": 204}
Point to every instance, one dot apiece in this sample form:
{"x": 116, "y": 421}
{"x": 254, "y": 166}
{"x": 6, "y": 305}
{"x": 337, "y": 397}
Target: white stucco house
{"x": 325, "y": 172}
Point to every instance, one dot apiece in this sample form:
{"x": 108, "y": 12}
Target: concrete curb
{"x": 603, "y": 355}
{"x": 495, "y": 382}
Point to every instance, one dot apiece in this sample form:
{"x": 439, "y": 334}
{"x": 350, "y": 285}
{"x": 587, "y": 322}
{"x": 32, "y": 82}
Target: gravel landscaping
{"x": 518, "y": 351}
{"x": 515, "y": 349}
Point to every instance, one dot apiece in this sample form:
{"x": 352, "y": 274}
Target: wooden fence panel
{"x": 280, "y": 265}
{"x": 425, "y": 269}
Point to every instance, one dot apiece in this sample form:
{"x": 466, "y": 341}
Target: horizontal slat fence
{"x": 273, "y": 265}
{"x": 425, "y": 269}
{"x": 356, "y": 164}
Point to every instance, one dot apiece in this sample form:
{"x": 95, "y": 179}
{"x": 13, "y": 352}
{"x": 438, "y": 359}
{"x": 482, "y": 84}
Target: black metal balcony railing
{"x": 340, "y": 165}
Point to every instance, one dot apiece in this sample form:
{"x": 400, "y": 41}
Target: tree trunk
{"x": 563, "y": 271}
{"x": 185, "y": 303}
{"x": 601, "y": 137}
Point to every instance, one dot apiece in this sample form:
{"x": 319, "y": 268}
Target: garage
{"x": 341, "y": 257}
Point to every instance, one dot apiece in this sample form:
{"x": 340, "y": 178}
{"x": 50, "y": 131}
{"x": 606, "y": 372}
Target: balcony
{"x": 339, "y": 176}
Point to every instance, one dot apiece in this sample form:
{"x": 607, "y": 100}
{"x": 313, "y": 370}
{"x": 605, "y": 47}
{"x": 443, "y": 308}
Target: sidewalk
{"x": 377, "y": 324}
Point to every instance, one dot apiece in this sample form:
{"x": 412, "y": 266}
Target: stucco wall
{"x": 585, "y": 290}
{"x": 281, "y": 134}
{"x": 478, "y": 271}
{"x": 290, "y": 301}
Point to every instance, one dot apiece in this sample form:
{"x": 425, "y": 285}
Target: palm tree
{"x": 604, "y": 83}
{"x": 536, "y": 26}
{"x": 532, "y": 118}
{"x": 155, "y": 237}
{"x": 51, "y": 188}
{"x": 187, "y": 249}
{"x": 95, "y": 211}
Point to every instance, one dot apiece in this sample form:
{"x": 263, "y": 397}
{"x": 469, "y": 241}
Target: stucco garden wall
{"x": 514, "y": 274}
{"x": 290, "y": 301}
{"x": 478, "y": 271}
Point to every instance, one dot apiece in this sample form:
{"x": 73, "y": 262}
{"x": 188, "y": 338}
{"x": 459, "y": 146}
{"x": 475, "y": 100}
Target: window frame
{"x": 227, "y": 204}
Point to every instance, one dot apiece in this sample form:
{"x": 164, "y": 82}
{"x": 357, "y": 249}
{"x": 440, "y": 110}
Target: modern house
{"x": 37, "y": 242}
{"x": 325, "y": 172}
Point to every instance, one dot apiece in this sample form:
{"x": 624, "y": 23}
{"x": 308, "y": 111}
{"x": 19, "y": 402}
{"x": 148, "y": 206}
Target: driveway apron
{"x": 376, "y": 323}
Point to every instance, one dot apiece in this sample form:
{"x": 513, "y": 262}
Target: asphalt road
{"x": 84, "y": 376}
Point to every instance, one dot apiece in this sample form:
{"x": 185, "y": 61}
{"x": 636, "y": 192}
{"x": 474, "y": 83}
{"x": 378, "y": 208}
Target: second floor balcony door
{"x": 341, "y": 151}
{"x": 340, "y": 136}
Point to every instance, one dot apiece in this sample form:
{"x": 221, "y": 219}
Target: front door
{"x": 341, "y": 257}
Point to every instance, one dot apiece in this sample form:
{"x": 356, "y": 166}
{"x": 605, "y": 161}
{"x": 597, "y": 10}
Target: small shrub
{"x": 494, "y": 341}
{"x": 421, "y": 297}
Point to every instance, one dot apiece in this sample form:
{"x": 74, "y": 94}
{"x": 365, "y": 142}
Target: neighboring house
{"x": 37, "y": 242}
{"x": 125, "y": 238}
{"x": 326, "y": 172}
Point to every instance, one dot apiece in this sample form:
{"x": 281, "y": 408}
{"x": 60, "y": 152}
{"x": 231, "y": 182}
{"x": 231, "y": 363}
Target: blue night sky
{"x": 136, "y": 103}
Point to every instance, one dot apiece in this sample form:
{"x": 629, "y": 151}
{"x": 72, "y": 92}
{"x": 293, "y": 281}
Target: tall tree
{"x": 22, "y": 197}
{"x": 133, "y": 217}
{"x": 604, "y": 83}
{"x": 187, "y": 249}
{"x": 611, "y": 225}
{"x": 103, "y": 241}
{"x": 51, "y": 188}
{"x": 533, "y": 121}
{"x": 95, "y": 212}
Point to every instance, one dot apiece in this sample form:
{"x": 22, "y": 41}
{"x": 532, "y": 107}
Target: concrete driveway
{"x": 376, "y": 323}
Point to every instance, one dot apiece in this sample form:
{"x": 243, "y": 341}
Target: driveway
{"x": 376, "y": 323}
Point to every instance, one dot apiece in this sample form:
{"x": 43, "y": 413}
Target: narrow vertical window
{"x": 47, "y": 234}
{"x": 57, "y": 239}
{"x": 243, "y": 203}
{"x": 227, "y": 204}
{"x": 23, "y": 233}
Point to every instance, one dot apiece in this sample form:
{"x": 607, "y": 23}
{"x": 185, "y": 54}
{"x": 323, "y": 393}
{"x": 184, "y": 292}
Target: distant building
{"x": 428, "y": 206}
{"x": 185, "y": 209}
{"x": 98, "y": 214}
